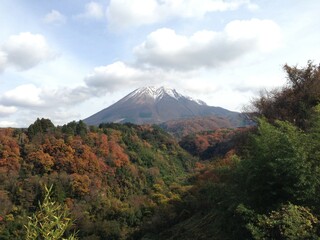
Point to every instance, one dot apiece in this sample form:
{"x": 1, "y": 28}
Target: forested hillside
{"x": 111, "y": 178}
{"x": 124, "y": 181}
{"x": 266, "y": 188}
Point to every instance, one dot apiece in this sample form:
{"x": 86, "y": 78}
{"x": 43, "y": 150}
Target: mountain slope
{"x": 156, "y": 105}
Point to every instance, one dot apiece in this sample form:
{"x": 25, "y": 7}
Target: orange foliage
{"x": 41, "y": 160}
{"x": 115, "y": 135}
{"x": 103, "y": 145}
{"x": 201, "y": 143}
{"x": 62, "y": 153}
{"x": 100, "y": 143}
{"x": 85, "y": 160}
{"x": 9, "y": 151}
{"x": 199, "y": 166}
{"x": 80, "y": 184}
{"x": 119, "y": 158}
{"x": 227, "y": 160}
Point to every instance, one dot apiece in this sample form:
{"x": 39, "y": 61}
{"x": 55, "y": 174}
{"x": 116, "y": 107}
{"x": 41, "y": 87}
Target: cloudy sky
{"x": 66, "y": 60}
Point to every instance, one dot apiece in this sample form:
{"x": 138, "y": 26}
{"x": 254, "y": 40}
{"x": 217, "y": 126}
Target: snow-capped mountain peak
{"x": 162, "y": 91}
{"x": 155, "y": 105}
{"x": 154, "y": 92}
{"x": 159, "y": 93}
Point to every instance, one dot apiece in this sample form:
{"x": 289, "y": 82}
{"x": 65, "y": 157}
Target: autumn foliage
{"x": 105, "y": 175}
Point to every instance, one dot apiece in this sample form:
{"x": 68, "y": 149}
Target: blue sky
{"x": 66, "y": 60}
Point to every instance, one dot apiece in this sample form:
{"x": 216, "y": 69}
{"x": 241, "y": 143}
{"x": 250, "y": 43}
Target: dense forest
{"x": 124, "y": 181}
{"x": 111, "y": 178}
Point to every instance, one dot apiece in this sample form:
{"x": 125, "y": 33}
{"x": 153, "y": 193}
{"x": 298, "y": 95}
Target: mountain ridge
{"x": 151, "y": 105}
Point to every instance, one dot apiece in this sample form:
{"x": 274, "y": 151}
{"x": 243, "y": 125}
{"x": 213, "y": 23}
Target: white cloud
{"x": 23, "y": 96}
{"x": 31, "y": 96}
{"x": 55, "y": 17}
{"x": 57, "y": 116}
{"x": 7, "y": 124}
{"x": 3, "y": 61}
{"x": 196, "y": 8}
{"x": 6, "y": 111}
{"x": 128, "y": 13}
{"x": 253, "y": 7}
{"x": 165, "y": 48}
{"x": 26, "y": 50}
{"x": 166, "y": 57}
{"x": 116, "y": 75}
{"x": 203, "y": 88}
{"x": 27, "y": 102}
{"x": 62, "y": 97}
{"x": 266, "y": 34}
{"x": 93, "y": 10}
{"x": 120, "y": 76}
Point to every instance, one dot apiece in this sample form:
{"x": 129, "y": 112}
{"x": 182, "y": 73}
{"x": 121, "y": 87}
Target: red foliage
{"x": 100, "y": 143}
{"x": 85, "y": 160}
{"x": 118, "y": 156}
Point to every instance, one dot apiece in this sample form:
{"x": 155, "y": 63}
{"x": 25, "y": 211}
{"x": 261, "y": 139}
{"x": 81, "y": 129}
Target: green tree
{"x": 289, "y": 222}
{"x": 277, "y": 168}
{"x": 313, "y": 145}
{"x": 50, "y": 222}
{"x": 40, "y": 126}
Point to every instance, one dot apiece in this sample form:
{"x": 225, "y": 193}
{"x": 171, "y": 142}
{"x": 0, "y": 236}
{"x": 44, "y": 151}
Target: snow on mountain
{"x": 200, "y": 102}
{"x": 153, "y": 92}
{"x": 156, "y": 105}
{"x": 158, "y": 93}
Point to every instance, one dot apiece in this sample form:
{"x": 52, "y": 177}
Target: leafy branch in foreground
{"x": 288, "y": 222}
{"x": 50, "y": 222}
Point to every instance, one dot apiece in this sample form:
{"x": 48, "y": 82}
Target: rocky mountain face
{"x": 151, "y": 105}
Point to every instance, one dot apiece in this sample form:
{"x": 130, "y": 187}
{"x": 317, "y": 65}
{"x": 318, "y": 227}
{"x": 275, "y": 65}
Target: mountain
{"x": 157, "y": 105}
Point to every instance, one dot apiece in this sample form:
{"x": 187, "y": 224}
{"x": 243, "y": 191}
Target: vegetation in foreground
{"x": 136, "y": 182}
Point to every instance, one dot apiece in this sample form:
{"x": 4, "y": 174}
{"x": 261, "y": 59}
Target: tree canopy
{"x": 293, "y": 102}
